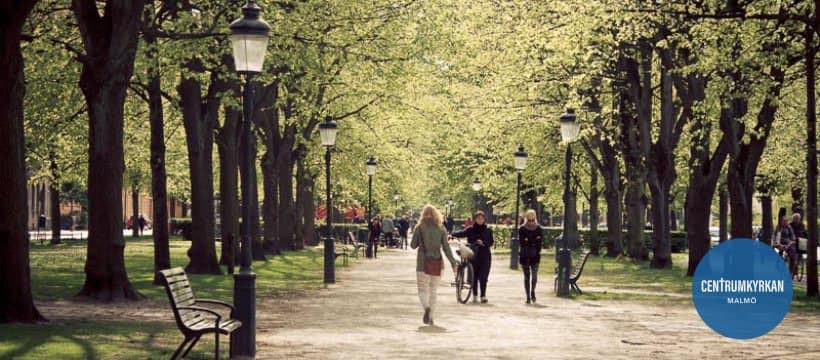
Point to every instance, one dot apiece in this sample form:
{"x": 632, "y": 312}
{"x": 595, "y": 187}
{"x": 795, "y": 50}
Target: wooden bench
{"x": 577, "y": 269}
{"x": 356, "y": 245}
{"x": 194, "y": 320}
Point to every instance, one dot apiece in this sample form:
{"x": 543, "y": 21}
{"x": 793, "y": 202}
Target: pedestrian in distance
{"x": 404, "y": 228}
{"x": 531, "y": 238}
{"x": 387, "y": 228}
{"x": 430, "y": 238}
{"x": 480, "y": 238}
{"x": 375, "y": 230}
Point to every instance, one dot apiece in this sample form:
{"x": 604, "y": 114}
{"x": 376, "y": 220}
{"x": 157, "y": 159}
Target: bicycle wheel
{"x": 464, "y": 281}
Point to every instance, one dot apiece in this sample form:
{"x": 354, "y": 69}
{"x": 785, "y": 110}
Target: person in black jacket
{"x": 530, "y": 236}
{"x": 480, "y": 238}
{"x": 375, "y": 229}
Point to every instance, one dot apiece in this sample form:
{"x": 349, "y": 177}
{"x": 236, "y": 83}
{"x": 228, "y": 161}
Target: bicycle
{"x": 464, "y": 277}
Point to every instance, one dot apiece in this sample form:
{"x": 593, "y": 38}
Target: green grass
{"x": 57, "y": 274}
{"x": 623, "y": 279}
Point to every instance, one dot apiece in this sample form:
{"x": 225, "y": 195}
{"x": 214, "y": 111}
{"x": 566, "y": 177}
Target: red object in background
{"x": 349, "y": 213}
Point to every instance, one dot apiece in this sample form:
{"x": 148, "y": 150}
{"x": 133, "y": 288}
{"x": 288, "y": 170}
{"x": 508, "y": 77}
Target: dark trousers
{"x": 372, "y": 248}
{"x": 481, "y": 267}
{"x": 530, "y": 267}
{"x": 388, "y": 239}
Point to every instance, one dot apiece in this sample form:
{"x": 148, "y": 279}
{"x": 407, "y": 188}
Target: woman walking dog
{"x": 430, "y": 238}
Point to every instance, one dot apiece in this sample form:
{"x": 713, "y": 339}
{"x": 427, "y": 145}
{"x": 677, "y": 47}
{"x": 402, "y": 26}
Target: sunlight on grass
{"x": 57, "y": 273}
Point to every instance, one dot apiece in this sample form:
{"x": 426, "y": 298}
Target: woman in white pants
{"x": 430, "y": 238}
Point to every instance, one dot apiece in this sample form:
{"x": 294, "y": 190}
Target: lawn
{"x": 623, "y": 279}
{"x": 57, "y": 274}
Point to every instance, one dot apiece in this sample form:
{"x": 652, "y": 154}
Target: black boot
{"x": 527, "y": 290}
{"x": 426, "y": 319}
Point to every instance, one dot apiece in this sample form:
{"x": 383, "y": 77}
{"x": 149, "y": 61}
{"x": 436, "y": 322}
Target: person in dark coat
{"x": 375, "y": 228}
{"x": 480, "y": 238}
{"x": 404, "y": 228}
{"x": 530, "y": 237}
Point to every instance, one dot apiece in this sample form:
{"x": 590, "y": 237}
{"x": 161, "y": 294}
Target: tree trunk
{"x": 287, "y": 209}
{"x": 135, "y": 209}
{"x": 15, "y": 273}
{"x": 227, "y": 139}
{"x": 54, "y": 192}
{"x": 268, "y": 117}
{"x": 766, "y": 211}
{"x": 199, "y": 119}
{"x": 594, "y": 241}
{"x": 159, "y": 182}
{"x": 745, "y": 156}
{"x": 811, "y": 157}
{"x": 723, "y": 214}
{"x": 305, "y": 206}
{"x": 110, "y": 43}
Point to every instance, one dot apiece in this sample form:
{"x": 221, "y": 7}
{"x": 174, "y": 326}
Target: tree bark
{"x": 594, "y": 241}
{"x": 17, "y": 304}
{"x": 745, "y": 157}
{"x": 269, "y": 126}
{"x": 110, "y": 43}
{"x": 634, "y": 105}
{"x": 135, "y": 209}
{"x": 199, "y": 118}
{"x": 766, "y": 211}
{"x": 287, "y": 209}
{"x": 54, "y": 192}
{"x": 812, "y": 286}
{"x": 723, "y": 214}
{"x": 159, "y": 182}
{"x": 227, "y": 139}
{"x": 305, "y": 205}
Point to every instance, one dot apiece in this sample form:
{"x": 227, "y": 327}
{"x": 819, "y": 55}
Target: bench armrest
{"x": 198, "y": 308}
{"x": 216, "y": 302}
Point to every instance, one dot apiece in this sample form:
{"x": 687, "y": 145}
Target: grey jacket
{"x": 435, "y": 240}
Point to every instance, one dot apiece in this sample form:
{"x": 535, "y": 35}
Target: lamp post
{"x": 327, "y": 131}
{"x": 249, "y": 40}
{"x": 396, "y": 199}
{"x": 520, "y": 163}
{"x": 476, "y": 188}
{"x": 371, "y": 170}
{"x": 569, "y": 132}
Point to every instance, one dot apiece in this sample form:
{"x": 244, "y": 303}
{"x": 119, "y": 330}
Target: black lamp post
{"x": 327, "y": 131}
{"x": 520, "y": 163}
{"x": 396, "y": 199}
{"x": 249, "y": 39}
{"x": 477, "y": 188}
{"x": 569, "y": 132}
{"x": 371, "y": 171}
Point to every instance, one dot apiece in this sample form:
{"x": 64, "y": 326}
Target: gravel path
{"x": 373, "y": 313}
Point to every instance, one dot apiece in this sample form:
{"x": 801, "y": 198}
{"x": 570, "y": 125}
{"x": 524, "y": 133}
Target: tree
{"x": 15, "y": 274}
{"x": 110, "y": 44}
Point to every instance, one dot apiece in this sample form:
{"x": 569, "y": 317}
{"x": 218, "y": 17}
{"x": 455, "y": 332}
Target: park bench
{"x": 194, "y": 320}
{"x": 577, "y": 269}
{"x": 343, "y": 253}
{"x": 356, "y": 245}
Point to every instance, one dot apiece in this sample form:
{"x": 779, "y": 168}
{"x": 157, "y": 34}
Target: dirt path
{"x": 374, "y": 313}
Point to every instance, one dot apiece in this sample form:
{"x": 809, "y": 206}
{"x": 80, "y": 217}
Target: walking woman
{"x": 480, "y": 238}
{"x": 430, "y": 238}
{"x": 530, "y": 236}
{"x": 375, "y": 228}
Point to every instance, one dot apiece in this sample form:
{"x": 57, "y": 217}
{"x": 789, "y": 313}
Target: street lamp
{"x": 476, "y": 188}
{"x": 569, "y": 132}
{"x": 249, "y": 40}
{"x": 396, "y": 199}
{"x": 520, "y": 163}
{"x": 371, "y": 170}
{"x": 327, "y": 131}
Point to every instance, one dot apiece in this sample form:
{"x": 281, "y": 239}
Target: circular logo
{"x": 742, "y": 289}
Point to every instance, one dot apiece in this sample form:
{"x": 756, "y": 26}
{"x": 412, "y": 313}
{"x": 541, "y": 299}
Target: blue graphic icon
{"x": 742, "y": 289}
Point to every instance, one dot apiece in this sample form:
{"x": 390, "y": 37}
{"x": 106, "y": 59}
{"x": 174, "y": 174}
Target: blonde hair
{"x": 530, "y": 214}
{"x": 430, "y": 215}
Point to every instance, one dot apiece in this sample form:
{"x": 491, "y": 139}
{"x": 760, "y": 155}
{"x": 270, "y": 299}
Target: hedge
{"x": 678, "y": 238}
